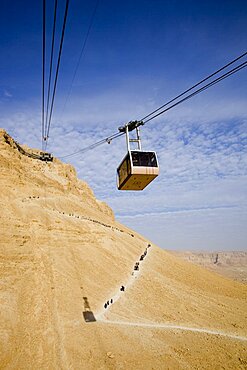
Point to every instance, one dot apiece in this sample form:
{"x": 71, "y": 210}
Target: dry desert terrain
{"x": 63, "y": 256}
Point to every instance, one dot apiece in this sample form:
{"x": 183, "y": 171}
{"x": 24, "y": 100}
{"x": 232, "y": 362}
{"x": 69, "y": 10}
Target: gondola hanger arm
{"x": 132, "y": 125}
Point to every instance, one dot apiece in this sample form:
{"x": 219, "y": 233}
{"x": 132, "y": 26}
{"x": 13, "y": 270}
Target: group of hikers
{"x": 92, "y": 220}
{"x": 108, "y": 303}
{"x": 136, "y": 268}
{"x": 122, "y": 289}
{"x": 86, "y": 218}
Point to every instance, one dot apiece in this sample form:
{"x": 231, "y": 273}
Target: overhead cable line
{"x": 92, "y": 146}
{"x": 227, "y": 74}
{"x": 81, "y": 53}
{"x": 57, "y": 70}
{"x": 51, "y": 62}
{"x": 197, "y": 84}
{"x": 152, "y": 115}
{"x": 43, "y": 76}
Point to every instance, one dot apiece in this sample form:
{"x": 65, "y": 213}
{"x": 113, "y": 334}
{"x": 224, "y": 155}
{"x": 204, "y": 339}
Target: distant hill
{"x": 231, "y": 264}
{"x": 64, "y": 257}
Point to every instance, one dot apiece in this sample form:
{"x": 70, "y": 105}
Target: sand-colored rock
{"x": 232, "y": 264}
{"x": 63, "y": 255}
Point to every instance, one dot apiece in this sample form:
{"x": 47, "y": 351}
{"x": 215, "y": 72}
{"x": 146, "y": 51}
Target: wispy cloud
{"x": 202, "y": 151}
{"x": 7, "y": 94}
{"x": 215, "y": 229}
{"x": 174, "y": 212}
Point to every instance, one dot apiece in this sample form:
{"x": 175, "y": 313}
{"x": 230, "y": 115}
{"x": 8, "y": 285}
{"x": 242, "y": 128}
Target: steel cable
{"x": 43, "y": 74}
{"x": 227, "y": 74}
{"x": 144, "y": 120}
{"x": 81, "y": 53}
{"x": 197, "y": 84}
{"x": 92, "y": 146}
{"x": 57, "y": 70}
{"x": 51, "y": 63}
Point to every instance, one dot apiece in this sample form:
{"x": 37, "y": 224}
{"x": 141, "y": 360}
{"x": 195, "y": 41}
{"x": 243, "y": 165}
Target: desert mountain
{"x": 232, "y": 264}
{"x": 63, "y": 256}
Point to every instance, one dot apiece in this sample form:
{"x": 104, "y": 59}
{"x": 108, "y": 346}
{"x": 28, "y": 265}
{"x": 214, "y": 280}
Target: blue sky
{"x": 139, "y": 55}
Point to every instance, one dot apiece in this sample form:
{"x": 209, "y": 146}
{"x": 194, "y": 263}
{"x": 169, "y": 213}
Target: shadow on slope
{"x": 87, "y": 313}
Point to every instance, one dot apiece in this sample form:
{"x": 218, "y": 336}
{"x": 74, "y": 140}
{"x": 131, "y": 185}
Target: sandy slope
{"x": 62, "y": 256}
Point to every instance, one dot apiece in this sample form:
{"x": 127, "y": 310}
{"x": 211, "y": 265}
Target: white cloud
{"x": 202, "y": 150}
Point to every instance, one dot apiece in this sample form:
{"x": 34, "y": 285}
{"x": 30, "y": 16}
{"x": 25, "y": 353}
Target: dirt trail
{"x": 174, "y": 327}
{"x": 100, "y": 316}
{"x": 127, "y": 284}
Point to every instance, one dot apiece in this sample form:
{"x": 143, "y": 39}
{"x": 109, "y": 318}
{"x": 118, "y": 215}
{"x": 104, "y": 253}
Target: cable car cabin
{"x": 47, "y": 157}
{"x": 137, "y": 170}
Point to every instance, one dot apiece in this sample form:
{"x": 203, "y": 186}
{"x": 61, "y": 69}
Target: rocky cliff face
{"x": 31, "y": 177}
{"x": 63, "y": 259}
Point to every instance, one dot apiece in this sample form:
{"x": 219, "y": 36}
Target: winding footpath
{"x": 100, "y": 316}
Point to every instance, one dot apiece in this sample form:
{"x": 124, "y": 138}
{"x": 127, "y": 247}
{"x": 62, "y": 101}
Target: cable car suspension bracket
{"x": 130, "y": 126}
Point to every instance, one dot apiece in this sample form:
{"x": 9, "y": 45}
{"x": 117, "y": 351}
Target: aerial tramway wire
{"x": 57, "y": 71}
{"x": 81, "y": 53}
{"x": 51, "y": 63}
{"x": 194, "y": 86}
{"x": 145, "y": 120}
{"x": 92, "y": 146}
{"x": 43, "y": 75}
{"x": 227, "y": 74}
